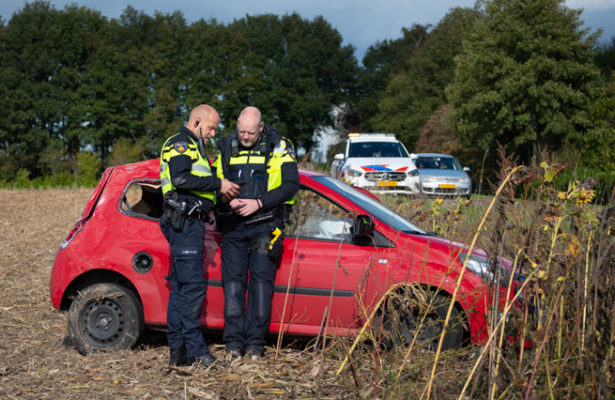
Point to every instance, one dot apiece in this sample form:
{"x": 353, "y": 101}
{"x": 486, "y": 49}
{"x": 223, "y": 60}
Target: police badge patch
{"x": 291, "y": 153}
{"x": 181, "y": 147}
{"x": 290, "y": 149}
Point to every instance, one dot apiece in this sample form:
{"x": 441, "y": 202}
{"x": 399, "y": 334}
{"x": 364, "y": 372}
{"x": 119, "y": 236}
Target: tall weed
{"x": 562, "y": 340}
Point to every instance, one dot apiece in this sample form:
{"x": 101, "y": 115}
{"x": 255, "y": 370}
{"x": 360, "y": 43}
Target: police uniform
{"x": 187, "y": 184}
{"x": 252, "y": 245}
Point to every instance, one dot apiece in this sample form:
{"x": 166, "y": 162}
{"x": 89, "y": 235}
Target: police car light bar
{"x": 357, "y": 134}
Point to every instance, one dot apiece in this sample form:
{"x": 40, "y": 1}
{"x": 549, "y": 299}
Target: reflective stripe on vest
{"x": 200, "y": 167}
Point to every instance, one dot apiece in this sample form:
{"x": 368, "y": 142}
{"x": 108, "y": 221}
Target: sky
{"x": 360, "y": 22}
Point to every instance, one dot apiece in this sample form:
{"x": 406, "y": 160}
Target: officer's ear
{"x": 197, "y": 122}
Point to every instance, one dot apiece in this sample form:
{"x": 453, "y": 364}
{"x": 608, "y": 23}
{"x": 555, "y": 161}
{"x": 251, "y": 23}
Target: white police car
{"x": 377, "y": 162}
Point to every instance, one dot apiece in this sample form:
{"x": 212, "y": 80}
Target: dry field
{"x": 37, "y": 362}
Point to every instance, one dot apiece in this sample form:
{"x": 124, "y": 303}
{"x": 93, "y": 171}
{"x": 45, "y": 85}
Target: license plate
{"x": 387, "y": 183}
{"x": 447, "y": 186}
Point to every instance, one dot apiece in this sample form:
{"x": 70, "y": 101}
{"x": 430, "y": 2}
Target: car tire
{"x": 105, "y": 316}
{"x": 411, "y": 310}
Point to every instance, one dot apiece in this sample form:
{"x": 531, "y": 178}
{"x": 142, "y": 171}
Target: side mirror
{"x": 362, "y": 226}
{"x": 413, "y": 156}
{"x": 339, "y": 156}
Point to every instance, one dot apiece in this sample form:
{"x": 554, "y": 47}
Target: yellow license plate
{"x": 387, "y": 183}
{"x": 447, "y": 186}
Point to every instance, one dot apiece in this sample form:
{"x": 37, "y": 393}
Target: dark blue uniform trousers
{"x": 188, "y": 288}
{"x": 245, "y": 252}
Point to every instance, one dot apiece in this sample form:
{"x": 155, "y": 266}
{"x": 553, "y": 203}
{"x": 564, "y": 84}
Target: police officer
{"x": 188, "y": 186}
{"x": 264, "y": 165}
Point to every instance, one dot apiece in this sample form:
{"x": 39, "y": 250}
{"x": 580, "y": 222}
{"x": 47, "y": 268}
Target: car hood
{"x": 381, "y": 164}
{"x": 446, "y": 173}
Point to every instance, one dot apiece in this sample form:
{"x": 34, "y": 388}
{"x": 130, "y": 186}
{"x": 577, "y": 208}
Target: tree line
{"x": 80, "y": 92}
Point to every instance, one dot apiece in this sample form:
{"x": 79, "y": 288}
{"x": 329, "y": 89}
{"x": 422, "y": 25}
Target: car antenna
{"x": 138, "y": 145}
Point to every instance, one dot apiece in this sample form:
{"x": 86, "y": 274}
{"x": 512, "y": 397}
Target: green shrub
{"x": 61, "y": 179}
{"x": 124, "y": 151}
{"x": 40, "y": 182}
{"x": 22, "y": 180}
{"x": 88, "y": 169}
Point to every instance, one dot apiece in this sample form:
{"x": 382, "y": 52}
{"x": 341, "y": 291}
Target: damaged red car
{"x": 342, "y": 252}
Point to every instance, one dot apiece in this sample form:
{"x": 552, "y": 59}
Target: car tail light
{"x": 73, "y": 232}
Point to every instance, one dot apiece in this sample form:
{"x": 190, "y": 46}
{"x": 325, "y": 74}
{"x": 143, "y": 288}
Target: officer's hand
{"x": 228, "y": 188}
{"x": 245, "y": 207}
{"x": 236, "y": 205}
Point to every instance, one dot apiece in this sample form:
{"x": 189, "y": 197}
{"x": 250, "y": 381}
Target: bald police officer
{"x": 264, "y": 164}
{"x": 189, "y": 187}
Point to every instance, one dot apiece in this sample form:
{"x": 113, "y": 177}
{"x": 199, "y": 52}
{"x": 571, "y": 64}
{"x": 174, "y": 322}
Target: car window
{"x": 142, "y": 199}
{"x": 316, "y": 217}
{"x": 376, "y": 149}
{"x": 437, "y": 163}
{"x": 374, "y": 207}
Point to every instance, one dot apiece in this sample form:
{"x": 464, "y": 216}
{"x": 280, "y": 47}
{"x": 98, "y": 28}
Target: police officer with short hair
{"x": 263, "y": 163}
{"x": 189, "y": 186}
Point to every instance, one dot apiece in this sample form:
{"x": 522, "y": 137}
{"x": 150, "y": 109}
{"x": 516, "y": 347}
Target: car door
{"x": 325, "y": 268}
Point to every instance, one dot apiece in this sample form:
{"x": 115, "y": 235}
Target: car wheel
{"x": 105, "y": 316}
{"x": 415, "y": 316}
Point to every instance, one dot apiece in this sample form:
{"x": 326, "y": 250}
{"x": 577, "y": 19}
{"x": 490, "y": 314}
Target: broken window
{"x": 143, "y": 199}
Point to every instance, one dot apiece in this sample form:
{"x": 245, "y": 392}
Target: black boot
{"x": 207, "y": 360}
{"x": 178, "y": 356}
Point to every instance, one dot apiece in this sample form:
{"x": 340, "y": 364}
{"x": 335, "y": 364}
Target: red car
{"x": 343, "y": 251}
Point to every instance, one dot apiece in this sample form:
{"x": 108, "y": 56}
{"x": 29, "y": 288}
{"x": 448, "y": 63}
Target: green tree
{"x": 28, "y": 66}
{"x": 294, "y": 70}
{"x": 598, "y": 145}
{"x": 416, "y": 92}
{"x": 213, "y": 68}
{"x": 525, "y": 78}
{"x": 381, "y": 62}
{"x": 605, "y": 59}
{"x": 151, "y": 49}
{"x": 44, "y": 60}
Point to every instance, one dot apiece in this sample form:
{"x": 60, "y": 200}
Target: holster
{"x": 276, "y": 244}
{"x": 175, "y": 211}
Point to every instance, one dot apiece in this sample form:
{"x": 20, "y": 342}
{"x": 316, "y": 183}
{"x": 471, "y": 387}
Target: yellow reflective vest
{"x": 200, "y": 165}
{"x": 248, "y": 167}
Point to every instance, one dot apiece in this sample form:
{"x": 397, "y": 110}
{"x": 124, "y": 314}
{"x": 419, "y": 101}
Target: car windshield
{"x": 376, "y": 149}
{"x": 437, "y": 163}
{"x": 375, "y": 208}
